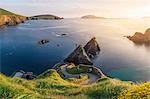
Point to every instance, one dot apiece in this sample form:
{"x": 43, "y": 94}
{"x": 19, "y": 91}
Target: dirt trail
{"x": 92, "y": 78}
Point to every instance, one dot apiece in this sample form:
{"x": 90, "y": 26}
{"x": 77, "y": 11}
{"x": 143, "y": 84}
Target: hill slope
{"x": 5, "y": 12}
{"x": 51, "y": 85}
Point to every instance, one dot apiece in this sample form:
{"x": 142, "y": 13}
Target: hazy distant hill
{"x": 91, "y": 17}
{"x": 146, "y": 17}
{"x": 45, "y": 17}
{"x": 8, "y": 18}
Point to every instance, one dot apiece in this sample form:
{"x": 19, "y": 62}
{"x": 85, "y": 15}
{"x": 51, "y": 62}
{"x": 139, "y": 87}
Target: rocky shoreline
{"x": 11, "y": 20}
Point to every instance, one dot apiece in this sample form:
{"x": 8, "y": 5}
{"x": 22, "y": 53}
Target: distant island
{"x": 91, "y": 17}
{"x": 45, "y": 17}
{"x": 8, "y": 18}
{"x": 146, "y": 17}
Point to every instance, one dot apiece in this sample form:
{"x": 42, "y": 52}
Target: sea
{"x": 119, "y": 57}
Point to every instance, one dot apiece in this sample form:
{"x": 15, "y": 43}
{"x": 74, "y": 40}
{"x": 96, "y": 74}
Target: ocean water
{"x": 119, "y": 57}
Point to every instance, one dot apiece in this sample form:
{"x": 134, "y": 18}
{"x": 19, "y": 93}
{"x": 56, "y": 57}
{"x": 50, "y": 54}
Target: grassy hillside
{"x": 141, "y": 91}
{"x": 5, "y": 12}
{"x": 51, "y": 85}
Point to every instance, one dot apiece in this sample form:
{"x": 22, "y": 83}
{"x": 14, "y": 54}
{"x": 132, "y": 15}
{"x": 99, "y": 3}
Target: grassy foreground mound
{"x": 50, "y": 85}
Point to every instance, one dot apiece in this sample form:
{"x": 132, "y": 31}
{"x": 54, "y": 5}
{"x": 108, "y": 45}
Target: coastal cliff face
{"x": 92, "y": 48}
{"x": 79, "y": 56}
{"x": 140, "y": 37}
{"x": 82, "y": 55}
{"x": 10, "y": 20}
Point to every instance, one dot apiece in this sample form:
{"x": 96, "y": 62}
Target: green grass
{"x": 74, "y": 70}
{"x": 15, "y": 87}
{"x": 79, "y": 80}
{"x": 50, "y": 85}
{"x": 5, "y": 12}
{"x": 106, "y": 88}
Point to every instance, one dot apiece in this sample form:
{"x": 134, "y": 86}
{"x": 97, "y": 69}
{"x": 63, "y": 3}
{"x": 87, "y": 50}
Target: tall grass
{"x": 51, "y": 85}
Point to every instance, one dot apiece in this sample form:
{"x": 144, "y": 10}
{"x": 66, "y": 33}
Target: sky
{"x": 78, "y": 8}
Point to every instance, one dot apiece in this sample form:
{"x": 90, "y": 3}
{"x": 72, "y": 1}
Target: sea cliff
{"x": 11, "y": 20}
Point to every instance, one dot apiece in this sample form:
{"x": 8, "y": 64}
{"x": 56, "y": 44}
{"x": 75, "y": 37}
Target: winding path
{"x": 92, "y": 77}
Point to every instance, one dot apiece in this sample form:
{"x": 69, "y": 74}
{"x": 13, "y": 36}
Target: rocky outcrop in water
{"x": 79, "y": 56}
{"x": 92, "y": 48}
{"x": 82, "y": 55}
{"x": 140, "y": 37}
{"x": 147, "y": 34}
{"x": 41, "y": 42}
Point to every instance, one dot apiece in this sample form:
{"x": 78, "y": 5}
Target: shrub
{"x": 137, "y": 92}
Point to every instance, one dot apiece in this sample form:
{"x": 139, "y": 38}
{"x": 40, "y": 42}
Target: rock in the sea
{"x": 137, "y": 37}
{"x": 147, "y": 34}
{"x": 92, "y": 48}
{"x": 79, "y": 56}
{"x": 41, "y": 42}
{"x": 140, "y": 37}
{"x": 63, "y": 34}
